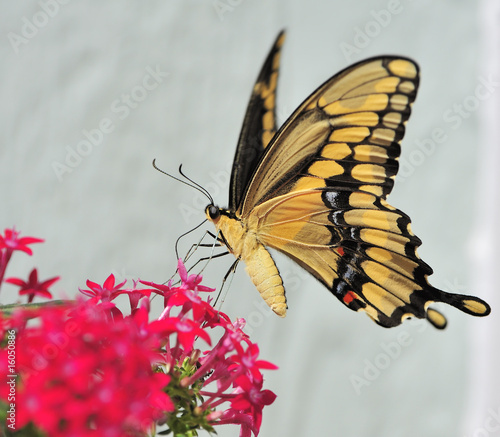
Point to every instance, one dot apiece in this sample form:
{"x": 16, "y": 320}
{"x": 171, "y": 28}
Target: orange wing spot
{"x": 349, "y": 297}
{"x": 340, "y": 251}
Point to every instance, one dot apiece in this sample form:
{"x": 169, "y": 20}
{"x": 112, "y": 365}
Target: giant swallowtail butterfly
{"x": 316, "y": 191}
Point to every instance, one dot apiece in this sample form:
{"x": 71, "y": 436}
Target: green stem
{"x": 8, "y": 309}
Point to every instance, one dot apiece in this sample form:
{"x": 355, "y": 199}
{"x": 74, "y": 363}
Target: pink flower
{"x": 107, "y": 292}
{"x": 134, "y": 294}
{"x": 190, "y": 282}
{"x": 248, "y": 363}
{"x": 33, "y": 288}
{"x": 11, "y": 241}
{"x": 186, "y": 331}
{"x": 252, "y": 399}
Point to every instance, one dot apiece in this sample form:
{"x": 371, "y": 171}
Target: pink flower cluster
{"x": 84, "y": 374}
{"x": 86, "y": 368}
{"x": 232, "y": 364}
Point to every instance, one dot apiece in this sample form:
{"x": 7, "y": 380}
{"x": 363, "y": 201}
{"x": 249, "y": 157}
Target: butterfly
{"x": 316, "y": 191}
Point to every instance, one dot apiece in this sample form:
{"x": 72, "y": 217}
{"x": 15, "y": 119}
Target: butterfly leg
{"x": 222, "y": 295}
{"x": 206, "y": 258}
{"x": 220, "y": 242}
{"x": 195, "y": 246}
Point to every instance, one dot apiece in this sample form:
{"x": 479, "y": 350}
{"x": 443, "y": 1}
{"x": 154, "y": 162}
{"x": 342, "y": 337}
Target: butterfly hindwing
{"x": 259, "y": 125}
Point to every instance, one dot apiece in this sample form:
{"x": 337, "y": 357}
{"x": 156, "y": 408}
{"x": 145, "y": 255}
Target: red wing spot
{"x": 349, "y": 297}
{"x": 340, "y": 251}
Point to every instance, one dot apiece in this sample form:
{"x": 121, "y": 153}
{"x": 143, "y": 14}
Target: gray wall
{"x": 109, "y": 211}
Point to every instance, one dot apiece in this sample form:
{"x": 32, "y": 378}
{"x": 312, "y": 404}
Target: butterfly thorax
{"x": 242, "y": 241}
{"x": 230, "y": 230}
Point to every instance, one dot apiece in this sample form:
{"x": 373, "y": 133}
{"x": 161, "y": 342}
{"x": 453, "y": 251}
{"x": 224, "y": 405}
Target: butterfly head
{"x": 213, "y": 213}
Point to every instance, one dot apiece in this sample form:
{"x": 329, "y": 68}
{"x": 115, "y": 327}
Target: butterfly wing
{"x": 319, "y": 195}
{"x": 364, "y": 107}
{"x": 259, "y": 124}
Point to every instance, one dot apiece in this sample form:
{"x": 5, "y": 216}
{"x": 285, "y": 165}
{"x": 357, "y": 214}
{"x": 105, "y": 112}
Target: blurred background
{"x": 92, "y": 91}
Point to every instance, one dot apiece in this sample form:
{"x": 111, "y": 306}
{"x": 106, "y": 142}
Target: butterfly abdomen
{"x": 264, "y": 274}
{"x": 243, "y": 243}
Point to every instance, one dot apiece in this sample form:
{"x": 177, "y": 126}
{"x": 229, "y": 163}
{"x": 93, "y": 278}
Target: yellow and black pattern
{"x": 347, "y": 133}
{"x": 318, "y": 194}
{"x": 259, "y": 125}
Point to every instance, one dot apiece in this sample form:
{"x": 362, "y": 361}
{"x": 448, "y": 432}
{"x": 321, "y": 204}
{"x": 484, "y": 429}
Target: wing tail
{"x": 468, "y": 304}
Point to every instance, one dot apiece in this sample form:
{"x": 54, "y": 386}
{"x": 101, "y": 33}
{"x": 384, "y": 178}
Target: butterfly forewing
{"x": 346, "y": 133}
{"x": 259, "y": 125}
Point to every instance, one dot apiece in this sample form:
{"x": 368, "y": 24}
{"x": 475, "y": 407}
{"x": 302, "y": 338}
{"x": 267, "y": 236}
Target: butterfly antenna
{"x": 193, "y": 184}
{"x": 197, "y": 185}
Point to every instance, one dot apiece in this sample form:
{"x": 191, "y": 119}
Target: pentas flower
{"x": 227, "y": 373}
{"x": 90, "y": 368}
{"x": 107, "y": 292}
{"x": 247, "y": 407}
{"x": 187, "y": 331}
{"x": 10, "y": 242}
{"x": 190, "y": 282}
{"x": 247, "y": 363}
{"x": 225, "y": 381}
{"x": 251, "y": 399}
{"x": 33, "y": 287}
{"x": 134, "y": 294}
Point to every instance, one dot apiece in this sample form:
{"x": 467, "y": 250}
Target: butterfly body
{"x": 316, "y": 191}
{"x": 244, "y": 244}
